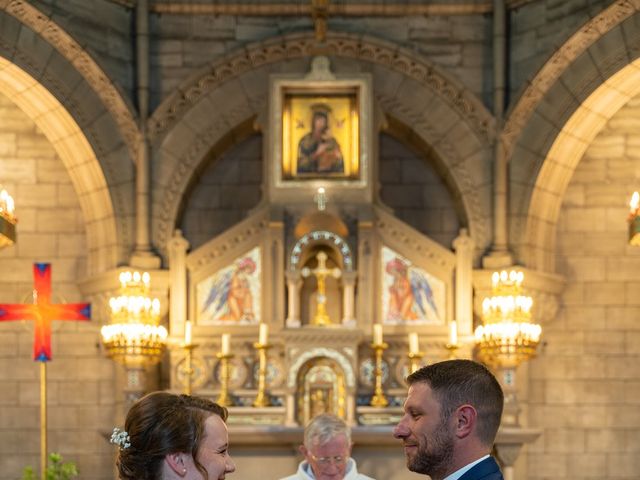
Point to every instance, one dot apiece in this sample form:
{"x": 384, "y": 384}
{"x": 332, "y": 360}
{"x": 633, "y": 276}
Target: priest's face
{"x": 427, "y": 437}
{"x": 329, "y": 460}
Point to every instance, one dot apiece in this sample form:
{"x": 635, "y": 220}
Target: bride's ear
{"x": 176, "y": 463}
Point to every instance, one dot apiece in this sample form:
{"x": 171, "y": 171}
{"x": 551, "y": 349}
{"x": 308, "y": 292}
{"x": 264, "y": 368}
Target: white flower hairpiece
{"x": 120, "y": 438}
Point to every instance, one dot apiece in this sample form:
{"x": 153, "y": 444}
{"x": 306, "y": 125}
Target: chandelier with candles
{"x": 8, "y": 219}
{"x": 507, "y": 336}
{"x": 134, "y": 335}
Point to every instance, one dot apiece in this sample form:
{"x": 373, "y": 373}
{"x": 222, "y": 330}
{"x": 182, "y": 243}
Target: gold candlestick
{"x": 224, "y": 398}
{"x": 188, "y": 365}
{"x": 378, "y": 399}
{"x": 414, "y": 360}
{"x": 262, "y": 400}
{"x": 452, "y": 347}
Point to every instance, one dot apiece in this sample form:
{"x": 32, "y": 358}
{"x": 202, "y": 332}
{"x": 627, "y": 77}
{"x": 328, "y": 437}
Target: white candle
{"x": 414, "y": 346}
{"x": 377, "y": 333}
{"x": 226, "y": 343}
{"x": 187, "y": 332}
{"x": 264, "y": 334}
{"x": 453, "y": 333}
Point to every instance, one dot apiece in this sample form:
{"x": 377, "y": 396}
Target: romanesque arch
{"x": 442, "y": 113}
{"x": 58, "y": 85}
{"x": 555, "y": 120}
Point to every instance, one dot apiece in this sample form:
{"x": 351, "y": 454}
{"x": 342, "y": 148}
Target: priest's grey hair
{"x": 323, "y": 428}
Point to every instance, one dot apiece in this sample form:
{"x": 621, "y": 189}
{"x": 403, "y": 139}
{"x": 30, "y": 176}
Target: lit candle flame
{"x": 634, "y": 203}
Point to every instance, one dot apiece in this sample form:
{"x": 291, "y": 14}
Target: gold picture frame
{"x": 321, "y": 134}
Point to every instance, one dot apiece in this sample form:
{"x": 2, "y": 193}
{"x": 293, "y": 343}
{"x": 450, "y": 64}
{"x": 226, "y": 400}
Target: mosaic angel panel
{"x": 410, "y": 295}
{"x": 232, "y": 294}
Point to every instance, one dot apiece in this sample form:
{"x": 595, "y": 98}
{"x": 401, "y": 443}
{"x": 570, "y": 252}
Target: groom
{"x": 451, "y": 417}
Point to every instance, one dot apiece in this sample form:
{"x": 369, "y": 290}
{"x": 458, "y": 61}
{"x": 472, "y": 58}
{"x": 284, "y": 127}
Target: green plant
{"x": 56, "y": 470}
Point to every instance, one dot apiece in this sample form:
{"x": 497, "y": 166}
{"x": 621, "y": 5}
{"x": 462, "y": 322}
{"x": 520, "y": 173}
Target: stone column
{"x": 463, "y": 245}
{"x": 294, "y": 282}
{"x": 500, "y": 256}
{"x": 509, "y": 443}
{"x": 351, "y": 409}
{"x": 507, "y": 378}
{"x": 290, "y": 403}
{"x": 143, "y": 256}
{"x": 178, "y": 246}
{"x": 349, "y": 298}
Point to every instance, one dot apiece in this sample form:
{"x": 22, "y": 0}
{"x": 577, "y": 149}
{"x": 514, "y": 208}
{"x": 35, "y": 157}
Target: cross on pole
{"x": 43, "y": 312}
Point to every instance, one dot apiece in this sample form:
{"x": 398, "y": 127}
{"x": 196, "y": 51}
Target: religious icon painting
{"x": 410, "y": 295}
{"x": 231, "y": 296}
{"x": 320, "y": 134}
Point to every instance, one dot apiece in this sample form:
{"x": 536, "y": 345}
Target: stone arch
{"x": 55, "y": 84}
{"x": 440, "y": 110}
{"x": 84, "y": 65}
{"x": 562, "y": 122}
{"x": 76, "y": 154}
{"x": 338, "y": 357}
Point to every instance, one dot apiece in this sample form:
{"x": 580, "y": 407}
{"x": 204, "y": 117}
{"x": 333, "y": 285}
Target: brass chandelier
{"x": 134, "y": 336}
{"x": 508, "y": 336}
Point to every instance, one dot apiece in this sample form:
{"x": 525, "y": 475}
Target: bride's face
{"x": 213, "y": 453}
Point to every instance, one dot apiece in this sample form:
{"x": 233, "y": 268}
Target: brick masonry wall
{"x": 416, "y": 193}
{"x": 80, "y": 379}
{"x": 224, "y": 193}
{"x": 585, "y": 387}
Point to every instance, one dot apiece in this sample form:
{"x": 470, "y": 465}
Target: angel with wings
{"x": 410, "y": 295}
{"x": 230, "y": 297}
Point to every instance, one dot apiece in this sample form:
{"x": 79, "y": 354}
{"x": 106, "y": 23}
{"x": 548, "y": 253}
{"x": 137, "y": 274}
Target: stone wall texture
{"x": 583, "y": 390}
{"x": 227, "y": 189}
{"x": 585, "y": 387}
{"x": 538, "y": 28}
{"x": 417, "y": 194}
{"x": 80, "y": 380}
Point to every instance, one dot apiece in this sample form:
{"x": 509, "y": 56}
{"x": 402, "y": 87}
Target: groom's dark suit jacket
{"x": 487, "y": 469}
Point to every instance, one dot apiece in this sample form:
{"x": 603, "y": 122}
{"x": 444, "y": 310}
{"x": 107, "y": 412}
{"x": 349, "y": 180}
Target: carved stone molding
{"x": 331, "y": 353}
{"x": 433, "y": 253}
{"x": 337, "y": 44}
{"x": 353, "y": 9}
{"x": 77, "y": 56}
{"x": 243, "y": 234}
{"x": 559, "y": 62}
{"x": 423, "y": 125}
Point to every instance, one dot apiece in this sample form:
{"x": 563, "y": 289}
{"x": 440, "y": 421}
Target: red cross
{"x": 44, "y": 312}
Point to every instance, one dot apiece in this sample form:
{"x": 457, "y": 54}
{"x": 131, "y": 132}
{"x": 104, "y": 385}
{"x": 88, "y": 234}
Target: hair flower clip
{"x": 120, "y": 438}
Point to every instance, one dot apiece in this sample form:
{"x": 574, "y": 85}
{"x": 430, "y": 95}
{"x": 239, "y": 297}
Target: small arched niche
{"x": 321, "y": 388}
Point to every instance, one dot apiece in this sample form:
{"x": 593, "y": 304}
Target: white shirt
{"x": 305, "y": 473}
{"x": 458, "y": 473}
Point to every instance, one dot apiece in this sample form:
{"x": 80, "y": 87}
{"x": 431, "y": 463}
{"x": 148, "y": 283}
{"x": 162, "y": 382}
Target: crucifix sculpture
{"x": 321, "y": 272}
{"x": 43, "y": 312}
